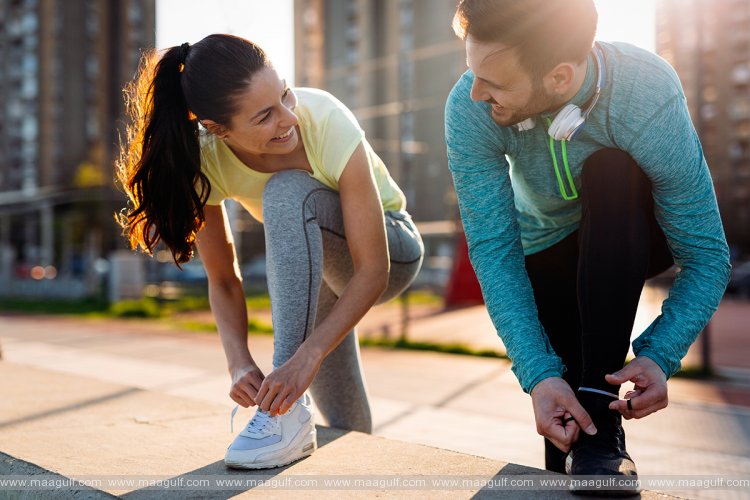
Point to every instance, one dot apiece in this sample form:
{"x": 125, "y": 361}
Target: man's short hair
{"x": 544, "y": 32}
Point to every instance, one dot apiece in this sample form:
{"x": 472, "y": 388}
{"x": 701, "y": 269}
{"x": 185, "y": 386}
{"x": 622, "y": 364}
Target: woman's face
{"x": 265, "y": 122}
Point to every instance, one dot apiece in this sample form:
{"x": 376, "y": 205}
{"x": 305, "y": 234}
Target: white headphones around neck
{"x": 570, "y": 119}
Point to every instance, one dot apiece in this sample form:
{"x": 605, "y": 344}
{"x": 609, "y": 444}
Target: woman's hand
{"x": 287, "y": 383}
{"x": 246, "y": 381}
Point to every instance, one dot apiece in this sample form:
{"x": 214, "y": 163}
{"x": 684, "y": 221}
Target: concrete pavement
{"x": 124, "y": 396}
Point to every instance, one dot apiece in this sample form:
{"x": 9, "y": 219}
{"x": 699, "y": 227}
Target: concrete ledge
{"x": 68, "y": 426}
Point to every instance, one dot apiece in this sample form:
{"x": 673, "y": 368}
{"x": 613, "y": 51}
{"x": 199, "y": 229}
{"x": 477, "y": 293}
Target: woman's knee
{"x": 286, "y": 183}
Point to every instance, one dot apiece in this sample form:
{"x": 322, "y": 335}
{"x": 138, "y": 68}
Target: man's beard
{"x": 539, "y": 102}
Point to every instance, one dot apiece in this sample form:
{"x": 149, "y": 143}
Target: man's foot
{"x": 602, "y": 454}
{"x": 270, "y": 441}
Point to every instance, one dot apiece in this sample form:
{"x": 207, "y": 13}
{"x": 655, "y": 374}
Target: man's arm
{"x": 476, "y": 158}
{"x": 669, "y": 151}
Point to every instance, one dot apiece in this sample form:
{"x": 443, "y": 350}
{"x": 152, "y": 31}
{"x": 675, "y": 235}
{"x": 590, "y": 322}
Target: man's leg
{"x": 620, "y": 244}
{"x": 553, "y": 278}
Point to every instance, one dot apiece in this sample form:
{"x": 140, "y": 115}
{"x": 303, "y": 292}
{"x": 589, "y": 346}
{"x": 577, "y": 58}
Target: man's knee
{"x": 611, "y": 175}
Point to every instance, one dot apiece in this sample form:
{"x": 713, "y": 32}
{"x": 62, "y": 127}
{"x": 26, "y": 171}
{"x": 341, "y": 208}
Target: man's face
{"x": 500, "y": 80}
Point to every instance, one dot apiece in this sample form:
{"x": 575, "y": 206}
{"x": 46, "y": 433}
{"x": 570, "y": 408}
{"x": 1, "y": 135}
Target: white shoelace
{"x": 599, "y": 391}
{"x": 261, "y": 422}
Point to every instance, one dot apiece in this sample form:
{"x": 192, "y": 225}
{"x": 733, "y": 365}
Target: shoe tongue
{"x": 258, "y": 427}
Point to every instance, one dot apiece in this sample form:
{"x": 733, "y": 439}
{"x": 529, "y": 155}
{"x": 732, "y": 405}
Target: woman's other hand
{"x": 246, "y": 381}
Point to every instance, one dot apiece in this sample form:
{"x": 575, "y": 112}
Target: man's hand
{"x": 559, "y": 415}
{"x": 650, "y": 392}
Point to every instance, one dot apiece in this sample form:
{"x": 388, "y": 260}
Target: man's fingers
{"x": 556, "y": 433}
{"x": 629, "y": 372}
{"x": 639, "y": 406}
{"x": 632, "y": 394}
{"x": 581, "y": 417}
{"x": 560, "y": 446}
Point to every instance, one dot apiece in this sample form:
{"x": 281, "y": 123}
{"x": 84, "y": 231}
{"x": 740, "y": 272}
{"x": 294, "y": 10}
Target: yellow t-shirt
{"x": 330, "y": 133}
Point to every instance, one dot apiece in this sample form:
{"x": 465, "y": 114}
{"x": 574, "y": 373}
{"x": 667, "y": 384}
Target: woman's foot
{"x": 270, "y": 441}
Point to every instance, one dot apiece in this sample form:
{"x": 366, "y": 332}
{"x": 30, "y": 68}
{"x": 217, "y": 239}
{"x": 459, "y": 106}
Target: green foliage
{"x": 433, "y": 347}
{"x": 420, "y": 297}
{"x": 143, "y": 308}
{"x": 54, "y": 306}
{"x": 259, "y": 301}
{"x": 255, "y": 326}
{"x": 186, "y": 304}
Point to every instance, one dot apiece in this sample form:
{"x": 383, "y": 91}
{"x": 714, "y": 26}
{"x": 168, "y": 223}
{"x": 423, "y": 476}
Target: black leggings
{"x": 587, "y": 286}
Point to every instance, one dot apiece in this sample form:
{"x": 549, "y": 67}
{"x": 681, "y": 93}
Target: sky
{"x": 270, "y": 24}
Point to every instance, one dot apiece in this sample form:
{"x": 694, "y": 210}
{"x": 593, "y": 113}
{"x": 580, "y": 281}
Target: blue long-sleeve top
{"x": 511, "y": 203}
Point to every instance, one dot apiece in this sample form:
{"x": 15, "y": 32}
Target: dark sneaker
{"x": 603, "y": 454}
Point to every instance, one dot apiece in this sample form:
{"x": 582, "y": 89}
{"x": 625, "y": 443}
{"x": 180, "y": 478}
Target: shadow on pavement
{"x": 326, "y": 435}
{"x": 11, "y": 466}
{"x": 499, "y": 488}
{"x": 71, "y": 407}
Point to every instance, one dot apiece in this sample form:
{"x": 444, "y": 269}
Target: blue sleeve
{"x": 668, "y": 150}
{"x": 476, "y": 158}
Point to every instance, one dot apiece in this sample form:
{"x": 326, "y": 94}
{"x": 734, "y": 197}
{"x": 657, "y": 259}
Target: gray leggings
{"x": 308, "y": 266}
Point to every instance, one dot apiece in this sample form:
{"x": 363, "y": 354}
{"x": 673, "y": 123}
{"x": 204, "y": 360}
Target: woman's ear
{"x": 216, "y": 129}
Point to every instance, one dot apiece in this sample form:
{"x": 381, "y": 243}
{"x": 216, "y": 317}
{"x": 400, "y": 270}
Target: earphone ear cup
{"x": 527, "y": 124}
{"x": 567, "y": 121}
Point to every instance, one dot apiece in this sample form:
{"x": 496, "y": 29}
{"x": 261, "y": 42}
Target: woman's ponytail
{"x": 159, "y": 164}
{"x": 160, "y": 160}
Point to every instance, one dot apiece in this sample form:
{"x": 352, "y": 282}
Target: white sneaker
{"x": 274, "y": 441}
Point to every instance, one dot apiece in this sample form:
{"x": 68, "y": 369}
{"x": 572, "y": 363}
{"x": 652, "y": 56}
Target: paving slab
{"x": 465, "y": 404}
{"x": 63, "y": 426}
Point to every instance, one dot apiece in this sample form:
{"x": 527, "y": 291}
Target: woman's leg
{"x": 339, "y": 387}
{"x": 308, "y": 266}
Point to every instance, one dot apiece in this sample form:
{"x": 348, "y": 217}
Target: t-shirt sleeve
{"x": 216, "y": 180}
{"x": 341, "y": 134}
{"x": 667, "y": 148}
{"x": 476, "y": 159}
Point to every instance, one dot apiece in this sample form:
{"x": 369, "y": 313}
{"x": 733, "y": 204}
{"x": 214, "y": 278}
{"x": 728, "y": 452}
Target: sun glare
{"x": 269, "y": 24}
{"x": 627, "y": 21}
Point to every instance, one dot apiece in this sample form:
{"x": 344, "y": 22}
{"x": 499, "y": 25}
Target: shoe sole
{"x": 307, "y": 444}
{"x": 604, "y": 493}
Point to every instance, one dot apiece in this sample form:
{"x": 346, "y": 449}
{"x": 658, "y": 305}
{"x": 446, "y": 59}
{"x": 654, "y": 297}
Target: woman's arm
{"x": 227, "y": 297}
{"x": 366, "y": 237}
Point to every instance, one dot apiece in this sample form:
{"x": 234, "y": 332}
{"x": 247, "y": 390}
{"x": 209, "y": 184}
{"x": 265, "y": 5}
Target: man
{"x": 579, "y": 175}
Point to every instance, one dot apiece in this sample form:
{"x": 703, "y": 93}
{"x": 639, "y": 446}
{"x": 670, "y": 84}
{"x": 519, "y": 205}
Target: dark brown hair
{"x": 544, "y": 32}
{"x": 159, "y": 164}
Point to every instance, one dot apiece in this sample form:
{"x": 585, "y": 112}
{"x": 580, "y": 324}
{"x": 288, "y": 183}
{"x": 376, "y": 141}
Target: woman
{"x": 338, "y": 239}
